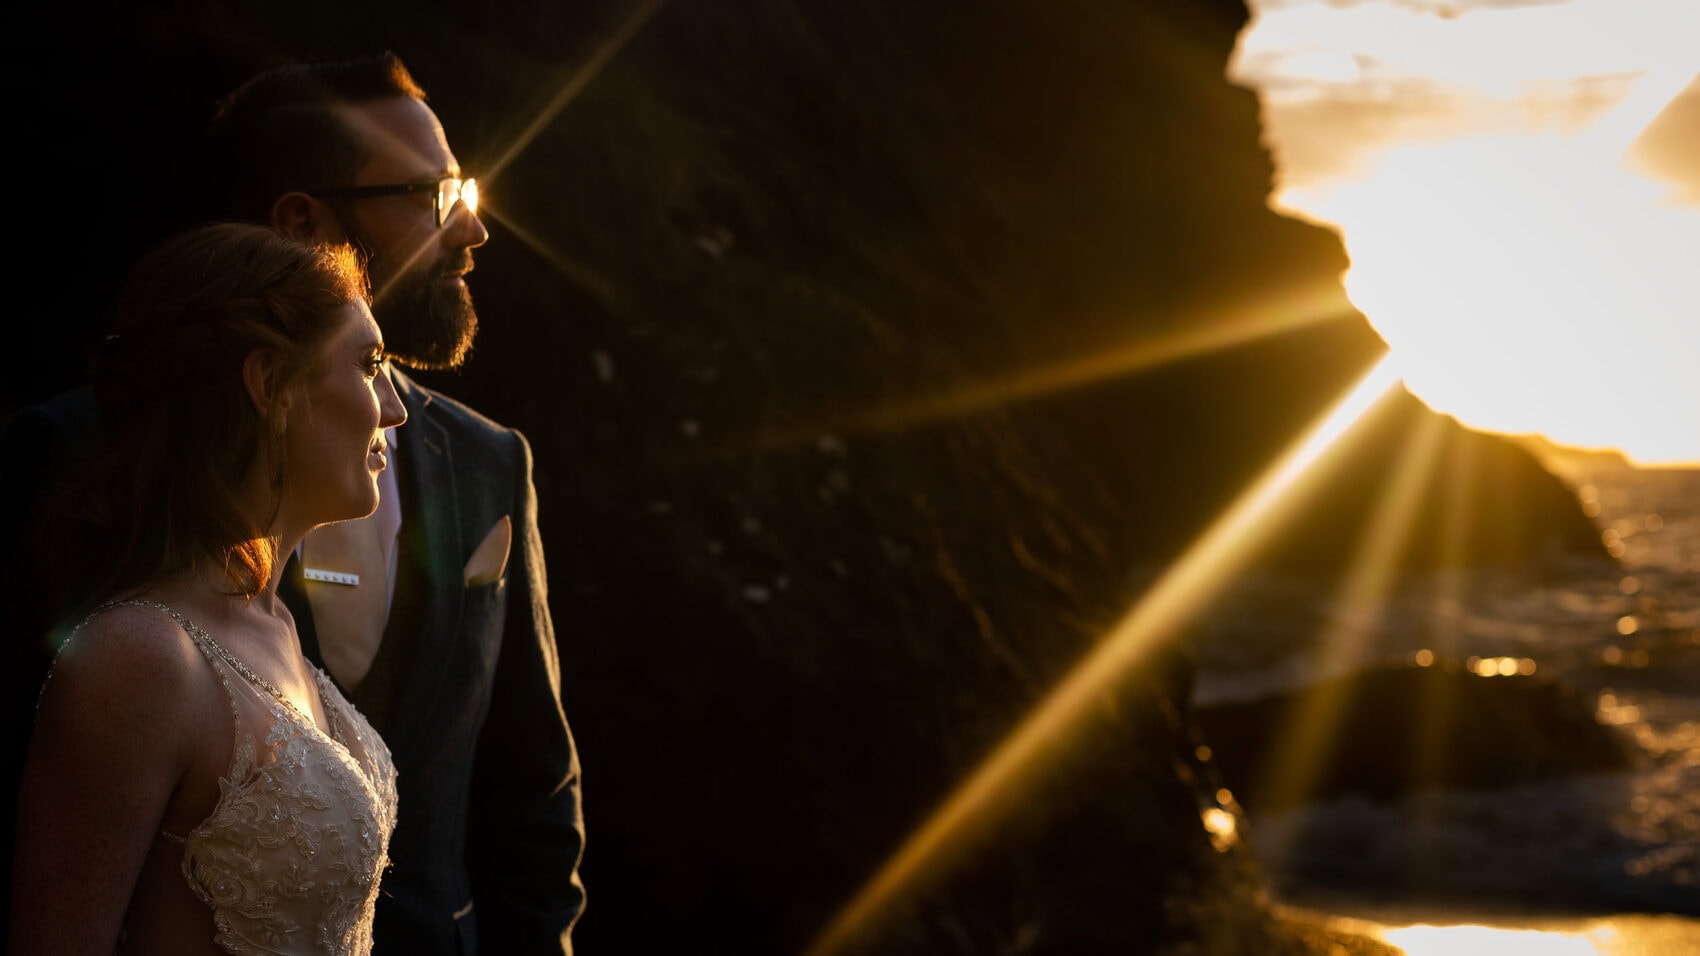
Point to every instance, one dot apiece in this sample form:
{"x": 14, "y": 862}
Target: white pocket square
{"x": 490, "y": 558}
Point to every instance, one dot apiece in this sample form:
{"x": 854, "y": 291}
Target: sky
{"x": 1517, "y": 183}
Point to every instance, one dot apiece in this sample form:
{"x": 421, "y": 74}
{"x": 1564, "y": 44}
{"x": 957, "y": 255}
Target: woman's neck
{"x": 207, "y": 589}
{"x": 267, "y": 507}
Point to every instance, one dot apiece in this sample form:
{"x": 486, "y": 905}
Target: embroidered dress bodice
{"x": 290, "y": 858}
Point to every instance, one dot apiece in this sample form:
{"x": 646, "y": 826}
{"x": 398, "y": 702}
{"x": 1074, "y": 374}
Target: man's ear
{"x": 300, "y": 216}
{"x": 259, "y": 377}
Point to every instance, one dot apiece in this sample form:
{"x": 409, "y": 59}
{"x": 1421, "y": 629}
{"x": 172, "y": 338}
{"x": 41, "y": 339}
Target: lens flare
{"x": 1181, "y": 592}
{"x": 576, "y": 83}
{"x": 1304, "y": 745}
{"x": 1212, "y": 332}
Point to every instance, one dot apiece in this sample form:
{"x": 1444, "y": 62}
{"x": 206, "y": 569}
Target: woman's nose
{"x": 391, "y": 412}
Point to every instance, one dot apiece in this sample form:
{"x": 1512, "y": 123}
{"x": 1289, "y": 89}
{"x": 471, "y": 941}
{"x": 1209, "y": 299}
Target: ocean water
{"x": 1627, "y": 637}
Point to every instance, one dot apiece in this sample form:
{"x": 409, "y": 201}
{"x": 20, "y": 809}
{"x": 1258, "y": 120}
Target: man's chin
{"x": 432, "y": 332}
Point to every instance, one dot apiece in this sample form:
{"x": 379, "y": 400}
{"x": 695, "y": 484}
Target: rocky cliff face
{"x": 744, "y": 294}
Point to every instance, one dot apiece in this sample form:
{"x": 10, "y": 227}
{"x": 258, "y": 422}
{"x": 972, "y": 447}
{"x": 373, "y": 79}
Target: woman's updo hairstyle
{"x": 184, "y": 431}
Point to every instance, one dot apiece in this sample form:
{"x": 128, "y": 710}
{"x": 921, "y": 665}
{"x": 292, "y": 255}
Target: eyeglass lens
{"x": 451, "y": 191}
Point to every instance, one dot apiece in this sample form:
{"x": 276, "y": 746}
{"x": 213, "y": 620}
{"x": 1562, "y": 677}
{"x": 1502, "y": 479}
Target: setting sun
{"x": 1510, "y": 185}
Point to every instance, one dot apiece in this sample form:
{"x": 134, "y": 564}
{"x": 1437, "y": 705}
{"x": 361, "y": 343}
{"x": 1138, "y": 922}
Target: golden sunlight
{"x": 1214, "y": 331}
{"x": 1619, "y": 935}
{"x": 1184, "y": 587}
{"x": 575, "y": 84}
{"x": 1304, "y": 744}
{"x": 1493, "y": 941}
{"x": 1492, "y": 171}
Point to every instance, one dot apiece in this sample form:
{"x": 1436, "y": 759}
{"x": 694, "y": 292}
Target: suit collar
{"x": 413, "y": 395}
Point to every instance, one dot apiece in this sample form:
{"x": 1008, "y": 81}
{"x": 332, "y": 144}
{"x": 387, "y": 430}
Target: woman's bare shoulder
{"x": 133, "y": 663}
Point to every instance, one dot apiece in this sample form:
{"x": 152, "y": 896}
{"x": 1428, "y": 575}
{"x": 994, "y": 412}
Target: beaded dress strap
{"x": 196, "y": 634}
{"x": 207, "y": 642}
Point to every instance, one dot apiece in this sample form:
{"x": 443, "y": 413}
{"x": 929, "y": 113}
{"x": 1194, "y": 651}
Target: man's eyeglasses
{"x": 448, "y": 191}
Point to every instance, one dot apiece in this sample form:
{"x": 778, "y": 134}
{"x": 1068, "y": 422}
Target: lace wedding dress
{"x": 290, "y": 858}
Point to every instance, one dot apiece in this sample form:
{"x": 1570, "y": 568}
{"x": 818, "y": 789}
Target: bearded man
{"x": 446, "y": 642}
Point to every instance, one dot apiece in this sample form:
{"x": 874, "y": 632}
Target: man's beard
{"x": 427, "y": 323}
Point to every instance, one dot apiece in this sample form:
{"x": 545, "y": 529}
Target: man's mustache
{"x": 452, "y": 266}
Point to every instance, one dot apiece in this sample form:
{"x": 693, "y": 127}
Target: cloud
{"x": 1342, "y": 82}
{"x": 1669, "y": 149}
{"x": 1335, "y": 134}
{"x": 1321, "y": 131}
{"x": 1503, "y": 182}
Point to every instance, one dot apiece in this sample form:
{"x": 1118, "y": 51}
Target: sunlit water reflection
{"x": 1454, "y": 940}
{"x": 1602, "y": 843}
{"x": 1632, "y": 935}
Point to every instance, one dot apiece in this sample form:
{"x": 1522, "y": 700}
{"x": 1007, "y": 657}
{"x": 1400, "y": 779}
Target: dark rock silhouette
{"x": 728, "y": 289}
{"x": 1398, "y": 730}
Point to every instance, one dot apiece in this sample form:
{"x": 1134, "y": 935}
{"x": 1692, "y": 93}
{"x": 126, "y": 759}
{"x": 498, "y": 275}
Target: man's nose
{"x": 464, "y": 230}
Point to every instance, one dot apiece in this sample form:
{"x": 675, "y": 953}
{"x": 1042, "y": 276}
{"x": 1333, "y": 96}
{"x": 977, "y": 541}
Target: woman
{"x": 194, "y": 785}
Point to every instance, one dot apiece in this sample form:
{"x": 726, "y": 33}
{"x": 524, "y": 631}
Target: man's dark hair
{"x": 281, "y": 131}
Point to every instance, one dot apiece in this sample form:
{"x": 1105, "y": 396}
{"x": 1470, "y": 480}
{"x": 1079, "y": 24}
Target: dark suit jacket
{"x": 465, "y": 690}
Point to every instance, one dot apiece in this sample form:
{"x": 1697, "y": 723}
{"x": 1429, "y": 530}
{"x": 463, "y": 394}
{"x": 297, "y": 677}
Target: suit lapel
{"x": 425, "y": 612}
